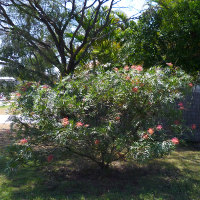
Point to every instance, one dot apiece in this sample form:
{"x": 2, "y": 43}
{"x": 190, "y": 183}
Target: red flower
{"x": 176, "y": 122}
{"x": 50, "y": 158}
{"x": 150, "y": 131}
{"x": 133, "y": 66}
{"x": 175, "y": 140}
{"x": 96, "y": 142}
{"x": 65, "y": 121}
{"x": 139, "y": 68}
{"x": 79, "y": 124}
{"x": 117, "y": 118}
{"x": 169, "y": 64}
{"x": 180, "y": 104}
{"x": 181, "y": 108}
{"x": 190, "y": 84}
{"x": 126, "y": 68}
{"x": 193, "y": 126}
{"x": 18, "y": 94}
{"x": 145, "y": 136}
{"x": 159, "y": 127}
{"x": 86, "y": 125}
{"x": 23, "y": 141}
{"x": 116, "y": 69}
{"x": 135, "y": 89}
{"x": 45, "y": 86}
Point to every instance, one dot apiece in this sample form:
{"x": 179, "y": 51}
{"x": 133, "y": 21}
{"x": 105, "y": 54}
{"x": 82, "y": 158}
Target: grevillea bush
{"x": 104, "y": 116}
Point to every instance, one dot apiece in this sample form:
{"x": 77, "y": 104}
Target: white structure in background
{"x": 4, "y": 81}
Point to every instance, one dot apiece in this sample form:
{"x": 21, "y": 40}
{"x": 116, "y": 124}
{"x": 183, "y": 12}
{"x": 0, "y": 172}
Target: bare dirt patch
{"x": 4, "y": 111}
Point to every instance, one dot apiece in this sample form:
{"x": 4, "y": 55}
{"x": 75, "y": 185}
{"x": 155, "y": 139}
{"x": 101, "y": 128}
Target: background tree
{"x": 40, "y": 36}
{"x": 180, "y": 33}
{"x": 108, "y": 50}
{"x": 167, "y": 32}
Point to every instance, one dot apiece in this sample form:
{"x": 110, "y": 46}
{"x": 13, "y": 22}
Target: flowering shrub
{"x": 102, "y": 116}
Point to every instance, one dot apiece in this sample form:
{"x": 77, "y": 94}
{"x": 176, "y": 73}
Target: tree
{"x": 167, "y": 32}
{"x": 108, "y": 50}
{"x": 142, "y": 46}
{"x": 180, "y": 32}
{"x": 41, "y": 35}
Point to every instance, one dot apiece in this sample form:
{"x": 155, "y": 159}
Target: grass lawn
{"x": 174, "y": 177}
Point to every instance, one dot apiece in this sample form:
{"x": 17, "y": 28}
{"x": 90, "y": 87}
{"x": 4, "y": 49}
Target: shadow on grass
{"x": 167, "y": 179}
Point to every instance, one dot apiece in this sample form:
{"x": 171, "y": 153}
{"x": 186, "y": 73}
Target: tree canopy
{"x": 168, "y": 31}
{"x": 41, "y": 35}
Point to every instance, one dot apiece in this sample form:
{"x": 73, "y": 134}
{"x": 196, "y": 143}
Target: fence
{"x": 191, "y": 114}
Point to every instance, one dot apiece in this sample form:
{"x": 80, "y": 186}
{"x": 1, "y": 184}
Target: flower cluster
{"x": 65, "y": 121}
{"x": 23, "y": 141}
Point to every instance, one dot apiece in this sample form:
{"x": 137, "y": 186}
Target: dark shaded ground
{"x": 175, "y": 177}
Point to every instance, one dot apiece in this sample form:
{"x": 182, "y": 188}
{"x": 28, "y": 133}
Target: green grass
{"x": 174, "y": 177}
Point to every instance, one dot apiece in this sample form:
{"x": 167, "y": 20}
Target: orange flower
{"x": 79, "y": 124}
{"x": 180, "y": 104}
{"x": 133, "y": 66}
{"x": 126, "y": 68}
{"x": 135, "y": 89}
{"x": 193, "y": 126}
{"x": 23, "y": 141}
{"x": 145, "y": 136}
{"x": 175, "y": 140}
{"x": 65, "y": 121}
{"x": 96, "y": 142}
{"x": 50, "y": 158}
{"x": 169, "y": 64}
{"x": 45, "y": 86}
{"x": 150, "y": 131}
{"x": 117, "y": 118}
{"x": 159, "y": 127}
{"x": 190, "y": 84}
{"x": 18, "y": 94}
{"x": 138, "y": 68}
{"x": 116, "y": 69}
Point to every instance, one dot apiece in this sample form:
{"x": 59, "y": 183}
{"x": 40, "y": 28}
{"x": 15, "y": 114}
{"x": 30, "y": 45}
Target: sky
{"x": 131, "y": 7}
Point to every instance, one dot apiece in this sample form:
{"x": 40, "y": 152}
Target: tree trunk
{"x": 70, "y": 68}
